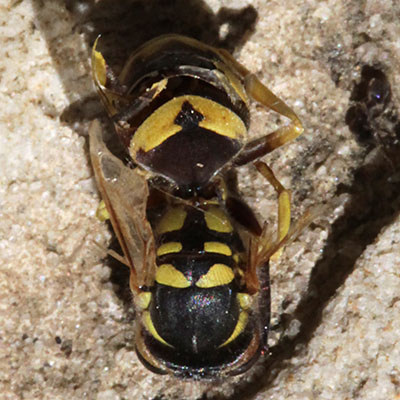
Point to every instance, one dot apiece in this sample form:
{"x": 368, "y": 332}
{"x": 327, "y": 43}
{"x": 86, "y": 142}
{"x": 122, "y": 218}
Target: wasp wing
{"x": 263, "y": 247}
{"x": 125, "y": 193}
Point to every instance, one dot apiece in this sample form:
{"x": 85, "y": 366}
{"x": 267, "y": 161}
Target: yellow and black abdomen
{"x": 198, "y": 320}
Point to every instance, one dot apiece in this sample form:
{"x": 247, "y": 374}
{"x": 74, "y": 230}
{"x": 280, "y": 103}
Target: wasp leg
{"x": 261, "y": 146}
{"x": 243, "y": 214}
{"x": 264, "y": 248}
{"x": 260, "y": 93}
{"x": 112, "y": 254}
{"x": 264, "y": 302}
{"x": 283, "y": 203}
{"x": 110, "y": 90}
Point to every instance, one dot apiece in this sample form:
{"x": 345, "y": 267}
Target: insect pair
{"x": 198, "y": 257}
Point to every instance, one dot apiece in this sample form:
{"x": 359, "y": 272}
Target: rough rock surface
{"x": 65, "y": 318}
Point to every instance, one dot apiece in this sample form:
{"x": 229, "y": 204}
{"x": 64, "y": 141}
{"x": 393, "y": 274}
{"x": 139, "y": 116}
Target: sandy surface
{"x": 65, "y": 321}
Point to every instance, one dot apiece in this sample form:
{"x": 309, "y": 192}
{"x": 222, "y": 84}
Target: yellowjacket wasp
{"x": 198, "y": 256}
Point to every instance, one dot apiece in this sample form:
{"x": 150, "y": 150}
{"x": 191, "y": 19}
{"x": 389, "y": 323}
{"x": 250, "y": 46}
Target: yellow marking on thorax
{"x": 148, "y": 323}
{"x": 218, "y": 119}
{"x": 172, "y": 220}
{"x": 217, "y": 275}
{"x": 217, "y": 220}
{"x": 142, "y": 301}
{"x": 217, "y": 247}
{"x": 168, "y": 275}
{"x": 160, "y": 125}
{"x": 241, "y": 324}
{"x": 168, "y": 248}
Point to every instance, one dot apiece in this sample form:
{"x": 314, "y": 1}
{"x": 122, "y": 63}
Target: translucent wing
{"x": 125, "y": 194}
{"x": 261, "y": 248}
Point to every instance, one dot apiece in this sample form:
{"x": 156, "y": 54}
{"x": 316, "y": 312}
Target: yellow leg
{"x": 263, "y": 95}
{"x": 102, "y": 212}
{"x": 259, "y": 147}
{"x": 265, "y": 144}
{"x": 283, "y": 203}
{"x": 256, "y": 90}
